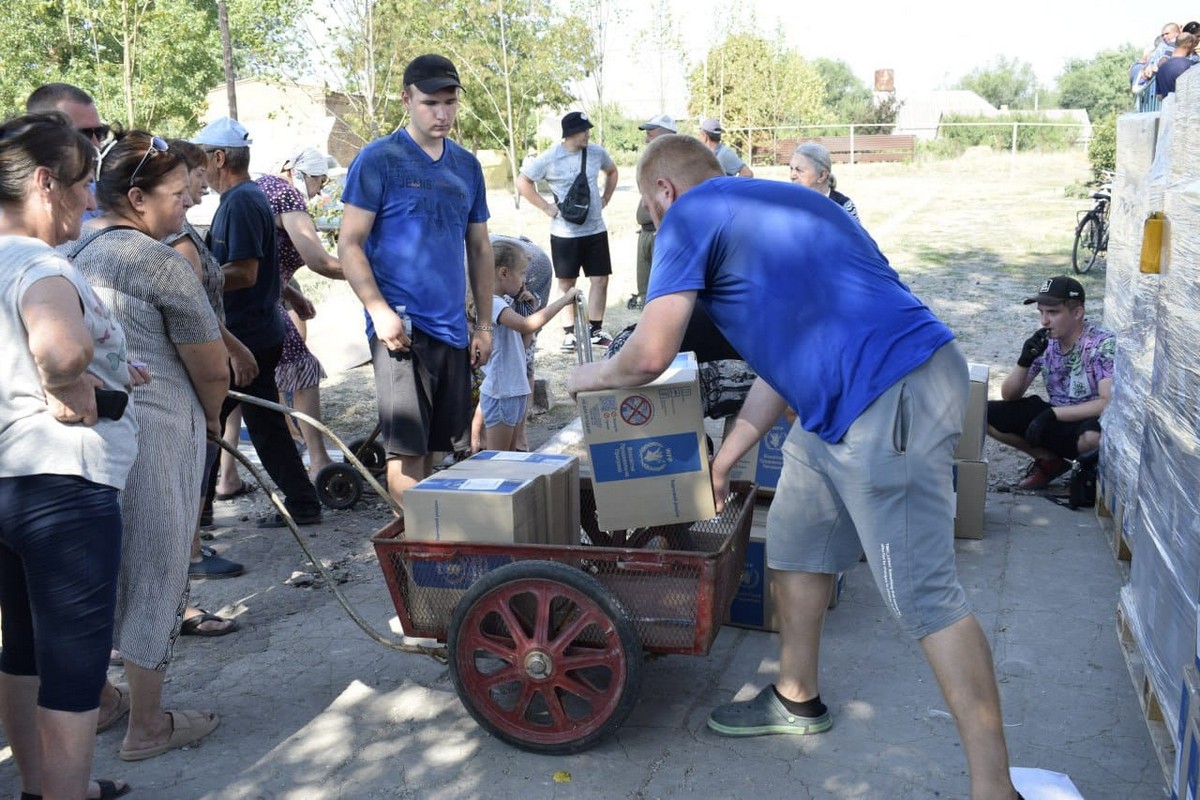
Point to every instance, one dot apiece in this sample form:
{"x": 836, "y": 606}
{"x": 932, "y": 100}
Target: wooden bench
{"x": 844, "y": 149}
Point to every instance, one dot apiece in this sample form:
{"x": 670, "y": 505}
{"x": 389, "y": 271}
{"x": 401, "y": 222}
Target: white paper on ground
{"x": 1042, "y": 784}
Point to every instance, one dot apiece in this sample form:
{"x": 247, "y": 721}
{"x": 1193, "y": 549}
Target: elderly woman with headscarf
{"x": 811, "y": 166}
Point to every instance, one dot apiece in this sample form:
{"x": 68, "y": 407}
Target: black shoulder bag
{"x": 575, "y": 204}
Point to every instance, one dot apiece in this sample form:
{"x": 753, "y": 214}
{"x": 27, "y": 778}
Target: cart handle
{"x": 583, "y": 331}
{"x": 644, "y": 566}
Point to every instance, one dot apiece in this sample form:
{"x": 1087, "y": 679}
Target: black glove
{"x": 1037, "y": 428}
{"x": 1034, "y": 346}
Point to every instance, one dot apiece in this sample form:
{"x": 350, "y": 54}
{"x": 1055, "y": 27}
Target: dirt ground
{"x": 971, "y": 236}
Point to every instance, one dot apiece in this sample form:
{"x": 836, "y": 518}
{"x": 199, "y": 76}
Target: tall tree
{"x": 1006, "y": 82}
{"x": 753, "y": 84}
{"x": 661, "y": 41}
{"x": 1100, "y": 85}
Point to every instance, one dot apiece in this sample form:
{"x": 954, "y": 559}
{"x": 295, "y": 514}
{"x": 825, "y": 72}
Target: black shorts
{"x": 1060, "y": 438}
{"x": 424, "y": 396}
{"x": 588, "y": 252}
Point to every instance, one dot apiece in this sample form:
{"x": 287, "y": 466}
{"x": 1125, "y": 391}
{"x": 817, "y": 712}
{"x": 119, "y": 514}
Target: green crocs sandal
{"x": 762, "y": 716}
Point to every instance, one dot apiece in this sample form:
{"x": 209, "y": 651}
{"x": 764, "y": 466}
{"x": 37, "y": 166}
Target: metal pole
{"x": 583, "y": 333}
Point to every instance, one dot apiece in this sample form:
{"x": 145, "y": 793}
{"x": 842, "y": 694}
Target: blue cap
{"x": 223, "y": 132}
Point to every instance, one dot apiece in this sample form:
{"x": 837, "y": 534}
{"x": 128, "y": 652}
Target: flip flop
{"x": 191, "y": 625}
{"x": 108, "y": 791}
{"x": 187, "y": 728}
{"x": 121, "y": 710}
{"x": 244, "y": 489}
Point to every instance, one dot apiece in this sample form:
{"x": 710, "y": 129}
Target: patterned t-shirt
{"x": 284, "y": 198}
{"x": 1074, "y": 377}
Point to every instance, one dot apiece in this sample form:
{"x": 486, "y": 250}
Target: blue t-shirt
{"x": 244, "y": 227}
{"x": 1169, "y": 72}
{"x": 417, "y": 246}
{"x": 800, "y": 290}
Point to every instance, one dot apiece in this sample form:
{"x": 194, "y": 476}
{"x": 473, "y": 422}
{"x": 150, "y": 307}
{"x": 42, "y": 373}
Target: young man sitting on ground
{"x": 1075, "y": 359}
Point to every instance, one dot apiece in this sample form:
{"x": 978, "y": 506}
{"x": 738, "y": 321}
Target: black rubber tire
{"x": 370, "y": 453}
{"x": 338, "y": 486}
{"x": 1087, "y": 244}
{"x": 472, "y": 622}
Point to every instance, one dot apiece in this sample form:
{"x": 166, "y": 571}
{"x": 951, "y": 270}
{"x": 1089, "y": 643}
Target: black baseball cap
{"x": 431, "y": 73}
{"x": 575, "y": 122}
{"x": 1054, "y": 291}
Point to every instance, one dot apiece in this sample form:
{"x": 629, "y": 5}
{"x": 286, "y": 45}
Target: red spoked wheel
{"x": 544, "y": 657}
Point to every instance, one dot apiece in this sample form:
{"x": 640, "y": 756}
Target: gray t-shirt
{"x": 729, "y": 160}
{"x": 504, "y": 373}
{"x": 32, "y": 442}
{"x": 558, "y": 168}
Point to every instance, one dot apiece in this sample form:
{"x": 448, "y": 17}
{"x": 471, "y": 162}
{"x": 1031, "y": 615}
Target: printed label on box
{"x": 749, "y": 605}
{"x": 645, "y": 458}
{"x": 457, "y": 574}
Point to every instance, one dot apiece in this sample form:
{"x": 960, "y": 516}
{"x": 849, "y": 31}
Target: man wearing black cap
{"x": 1075, "y": 359}
{"x": 576, "y": 245}
{"x": 412, "y": 199}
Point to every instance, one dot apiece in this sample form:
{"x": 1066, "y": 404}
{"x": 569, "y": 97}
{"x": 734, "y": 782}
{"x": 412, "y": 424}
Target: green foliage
{"x": 509, "y": 54}
{"x": 148, "y": 63}
{"x": 845, "y": 95}
{"x": 621, "y": 133}
{"x": 1007, "y": 82}
{"x": 1100, "y": 85}
{"x": 750, "y": 82}
{"x": 1102, "y": 149}
{"x": 996, "y": 132}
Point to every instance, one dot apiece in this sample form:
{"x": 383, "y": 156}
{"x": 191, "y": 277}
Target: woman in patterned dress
{"x": 299, "y": 371}
{"x": 169, "y": 325}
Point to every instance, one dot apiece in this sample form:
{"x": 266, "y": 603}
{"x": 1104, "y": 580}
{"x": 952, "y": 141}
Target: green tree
{"x": 148, "y": 63}
{"x": 1006, "y": 82}
{"x": 1100, "y": 84}
{"x": 754, "y": 84}
{"x": 845, "y": 95}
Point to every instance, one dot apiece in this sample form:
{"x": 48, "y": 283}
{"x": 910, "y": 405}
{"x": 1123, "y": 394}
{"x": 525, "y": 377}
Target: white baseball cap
{"x": 663, "y": 121}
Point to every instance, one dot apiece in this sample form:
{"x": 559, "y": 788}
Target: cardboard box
{"x": 970, "y": 445}
{"x": 1187, "y": 748}
{"x": 763, "y": 462}
{"x": 558, "y": 473}
{"x": 646, "y": 447}
{"x": 435, "y": 587}
{"x": 970, "y": 494}
{"x": 756, "y": 603}
{"x": 476, "y": 509}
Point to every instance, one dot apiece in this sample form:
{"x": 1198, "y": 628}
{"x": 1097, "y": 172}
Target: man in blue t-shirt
{"x": 412, "y": 199}
{"x": 880, "y": 391}
{"x": 1181, "y": 60}
{"x": 242, "y": 238}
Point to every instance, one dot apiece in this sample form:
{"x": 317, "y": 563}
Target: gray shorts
{"x": 885, "y": 489}
{"x": 503, "y": 410}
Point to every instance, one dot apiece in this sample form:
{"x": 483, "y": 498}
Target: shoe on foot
{"x": 187, "y": 728}
{"x": 601, "y": 338}
{"x": 1042, "y": 471}
{"x": 568, "y": 343}
{"x": 764, "y": 715}
{"x": 214, "y": 567}
{"x": 276, "y": 520}
{"x": 191, "y": 625}
{"x": 119, "y": 711}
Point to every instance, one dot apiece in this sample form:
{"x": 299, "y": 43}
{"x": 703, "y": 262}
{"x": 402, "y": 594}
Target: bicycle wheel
{"x": 1087, "y": 240}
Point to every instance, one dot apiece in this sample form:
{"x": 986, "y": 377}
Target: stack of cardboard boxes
{"x": 970, "y": 461}
{"x": 500, "y": 498}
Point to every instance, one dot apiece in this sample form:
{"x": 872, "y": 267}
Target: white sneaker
{"x": 568, "y": 344}
{"x": 601, "y": 339}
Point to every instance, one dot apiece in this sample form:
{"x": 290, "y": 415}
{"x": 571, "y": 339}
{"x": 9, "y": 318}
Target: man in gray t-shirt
{"x": 576, "y": 245}
{"x": 727, "y": 157}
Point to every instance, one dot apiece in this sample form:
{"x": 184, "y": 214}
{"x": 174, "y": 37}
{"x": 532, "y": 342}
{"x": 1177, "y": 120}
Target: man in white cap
{"x": 654, "y": 127}
{"x": 582, "y": 244}
{"x": 730, "y": 161}
{"x": 412, "y": 200}
{"x": 242, "y": 238}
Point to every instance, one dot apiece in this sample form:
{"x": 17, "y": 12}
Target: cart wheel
{"x": 370, "y": 453}
{"x": 339, "y": 486}
{"x": 544, "y": 657}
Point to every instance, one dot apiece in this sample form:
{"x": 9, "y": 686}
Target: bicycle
{"x": 1091, "y": 231}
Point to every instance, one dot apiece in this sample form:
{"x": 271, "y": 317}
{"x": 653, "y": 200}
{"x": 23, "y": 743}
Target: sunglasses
{"x": 99, "y": 133}
{"x": 157, "y": 144}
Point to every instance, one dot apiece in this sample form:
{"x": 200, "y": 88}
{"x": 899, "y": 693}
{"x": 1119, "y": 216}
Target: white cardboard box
{"x": 970, "y": 445}
{"x": 475, "y": 509}
{"x": 558, "y": 473}
{"x": 647, "y": 451}
{"x": 970, "y": 494}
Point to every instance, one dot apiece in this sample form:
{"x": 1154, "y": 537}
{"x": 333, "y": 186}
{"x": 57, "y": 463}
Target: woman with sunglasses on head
{"x": 142, "y": 189}
{"x": 61, "y": 464}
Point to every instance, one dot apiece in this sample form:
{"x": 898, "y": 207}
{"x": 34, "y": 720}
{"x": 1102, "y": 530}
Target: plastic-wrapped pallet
{"x": 1130, "y": 299}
